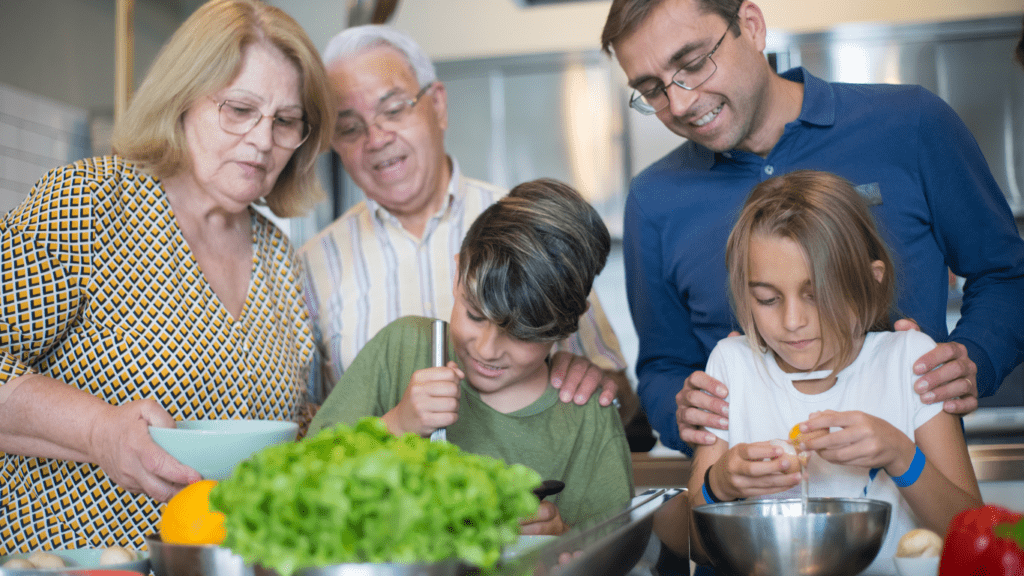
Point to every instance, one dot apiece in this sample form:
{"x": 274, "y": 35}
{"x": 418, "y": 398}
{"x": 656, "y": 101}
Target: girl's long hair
{"x": 827, "y": 218}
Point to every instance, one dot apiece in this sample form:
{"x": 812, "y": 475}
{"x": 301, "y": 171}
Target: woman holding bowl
{"x": 143, "y": 286}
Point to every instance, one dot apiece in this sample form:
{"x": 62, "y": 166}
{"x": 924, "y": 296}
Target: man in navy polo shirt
{"x": 698, "y": 65}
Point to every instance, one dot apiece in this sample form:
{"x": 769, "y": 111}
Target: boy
{"x": 525, "y": 269}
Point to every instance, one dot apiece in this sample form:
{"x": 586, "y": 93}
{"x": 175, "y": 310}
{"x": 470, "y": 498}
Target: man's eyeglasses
{"x": 240, "y": 118}
{"x": 653, "y": 99}
{"x": 389, "y": 116}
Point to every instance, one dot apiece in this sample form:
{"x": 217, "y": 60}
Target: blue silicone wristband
{"x": 912, "y": 473}
{"x": 708, "y": 498}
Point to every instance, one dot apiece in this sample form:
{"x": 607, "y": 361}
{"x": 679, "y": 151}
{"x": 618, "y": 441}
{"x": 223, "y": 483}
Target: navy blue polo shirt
{"x": 932, "y": 194}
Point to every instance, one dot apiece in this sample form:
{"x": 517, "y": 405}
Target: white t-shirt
{"x": 764, "y": 405}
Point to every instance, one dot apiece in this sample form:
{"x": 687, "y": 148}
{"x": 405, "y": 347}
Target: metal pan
{"x": 208, "y": 560}
{"x": 439, "y": 569}
{"x": 607, "y": 546}
{"x": 194, "y": 559}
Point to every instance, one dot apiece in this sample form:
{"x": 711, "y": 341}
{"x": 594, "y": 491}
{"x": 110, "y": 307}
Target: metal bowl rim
{"x": 717, "y": 507}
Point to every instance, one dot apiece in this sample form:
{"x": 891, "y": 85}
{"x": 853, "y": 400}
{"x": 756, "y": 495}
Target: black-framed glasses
{"x": 240, "y": 118}
{"x": 389, "y": 116}
{"x": 690, "y": 76}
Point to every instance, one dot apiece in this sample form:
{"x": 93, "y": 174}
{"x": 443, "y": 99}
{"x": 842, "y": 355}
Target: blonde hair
{"x": 205, "y": 55}
{"x": 827, "y": 218}
{"x": 528, "y": 262}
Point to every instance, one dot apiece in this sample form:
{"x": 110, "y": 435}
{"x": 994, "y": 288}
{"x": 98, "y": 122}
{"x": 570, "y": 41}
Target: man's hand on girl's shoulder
{"x": 948, "y": 375}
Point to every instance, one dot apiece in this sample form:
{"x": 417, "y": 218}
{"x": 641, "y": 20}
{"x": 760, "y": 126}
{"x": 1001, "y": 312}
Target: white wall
{"x": 454, "y": 29}
{"x": 36, "y": 134}
{"x": 64, "y": 49}
{"x": 322, "y": 19}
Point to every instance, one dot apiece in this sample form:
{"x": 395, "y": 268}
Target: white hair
{"x": 352, "y": 41}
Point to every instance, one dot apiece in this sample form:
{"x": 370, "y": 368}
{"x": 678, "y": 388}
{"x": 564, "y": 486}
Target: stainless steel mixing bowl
{"x": 194, "y": 559}
{"x": 835, "y": 537}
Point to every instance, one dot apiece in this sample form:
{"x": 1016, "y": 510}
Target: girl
{"x": 812, "y": 287}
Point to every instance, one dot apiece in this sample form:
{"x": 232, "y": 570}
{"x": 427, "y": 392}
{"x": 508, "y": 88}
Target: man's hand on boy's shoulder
{"x": 578, "y": 378}
{"x": 548, "y": 520}
{"x": 946, "y": 373}
{"x": 431, "y": 401}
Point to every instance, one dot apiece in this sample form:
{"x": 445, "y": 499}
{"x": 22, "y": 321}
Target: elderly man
{"x": 698, "y": 65}
{"x": 393, "y": 254}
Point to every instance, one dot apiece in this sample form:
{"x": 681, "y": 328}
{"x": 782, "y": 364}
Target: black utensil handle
{"x": 548, "y": 488}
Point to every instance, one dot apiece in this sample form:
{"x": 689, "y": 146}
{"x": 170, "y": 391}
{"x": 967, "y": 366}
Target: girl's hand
{"x": 431, "y": 401}
{"x": 862, "y": 440}
{"x": 754, "y": 470}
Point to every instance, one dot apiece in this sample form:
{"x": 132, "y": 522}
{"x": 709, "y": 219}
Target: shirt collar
{"x": 818, "y": 109}
{"x": 819, "y": 105}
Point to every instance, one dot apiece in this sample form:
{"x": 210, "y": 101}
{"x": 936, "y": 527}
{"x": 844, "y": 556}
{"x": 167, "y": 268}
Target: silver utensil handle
{"x": 438, "y": 358}
{"x": 439, "y": 344}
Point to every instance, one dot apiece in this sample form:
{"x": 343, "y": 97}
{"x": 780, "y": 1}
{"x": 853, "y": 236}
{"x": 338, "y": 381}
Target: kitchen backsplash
{"x": 36, "y": 134}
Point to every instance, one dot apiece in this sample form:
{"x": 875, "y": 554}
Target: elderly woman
{"x": 142, "y": 287}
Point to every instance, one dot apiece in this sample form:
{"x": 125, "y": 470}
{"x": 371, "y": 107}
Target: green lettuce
{"x": 359, "y": 494}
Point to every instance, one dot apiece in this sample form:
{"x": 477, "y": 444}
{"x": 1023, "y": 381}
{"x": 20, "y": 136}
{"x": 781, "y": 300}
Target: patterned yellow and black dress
{"x": 99, "y": 289}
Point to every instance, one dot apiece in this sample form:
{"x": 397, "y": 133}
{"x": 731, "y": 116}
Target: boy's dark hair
{"x": 528, "y": 262}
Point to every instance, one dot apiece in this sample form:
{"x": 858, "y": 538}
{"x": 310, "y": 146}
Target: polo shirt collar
{"x": 818, "y": 109}
{"x": 819, "y": 105}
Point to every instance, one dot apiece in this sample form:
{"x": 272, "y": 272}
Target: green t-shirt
{"x": 583, "y": 446}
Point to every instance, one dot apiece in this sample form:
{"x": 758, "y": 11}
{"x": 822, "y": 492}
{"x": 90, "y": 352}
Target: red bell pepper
{"x": 986, "y": 541}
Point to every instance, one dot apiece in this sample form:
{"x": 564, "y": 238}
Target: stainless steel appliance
{"x": 969, "y": 64}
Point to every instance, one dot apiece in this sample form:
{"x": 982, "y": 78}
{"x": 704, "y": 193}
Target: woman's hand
{"x": 47, "y": 418}
{"x": 120, "y": 444}
{"x": 754, "y": 470}
{"x": 431, "y": 401}
{"x": 862, "y": 440}
{"x": 547, "y": 521}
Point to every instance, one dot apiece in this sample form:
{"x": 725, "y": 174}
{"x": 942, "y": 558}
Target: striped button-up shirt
{"x": 365, "y": 270}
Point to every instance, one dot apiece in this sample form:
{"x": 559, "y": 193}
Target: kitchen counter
{"x": 998, "y": 462}
{"x": 664, "y": 468}
{"x": 660, "y": 468}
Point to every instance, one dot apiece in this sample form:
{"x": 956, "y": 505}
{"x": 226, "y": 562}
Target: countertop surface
{"x": 996, "y": 458}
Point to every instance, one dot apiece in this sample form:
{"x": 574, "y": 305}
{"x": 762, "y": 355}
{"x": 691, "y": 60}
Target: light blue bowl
{"x": 214, "y": 447}
{"x": 77, "y": 559}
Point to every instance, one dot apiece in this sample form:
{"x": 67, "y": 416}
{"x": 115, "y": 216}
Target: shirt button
{"x": 727, "y": 154}
{"x": 769, "y": 169}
